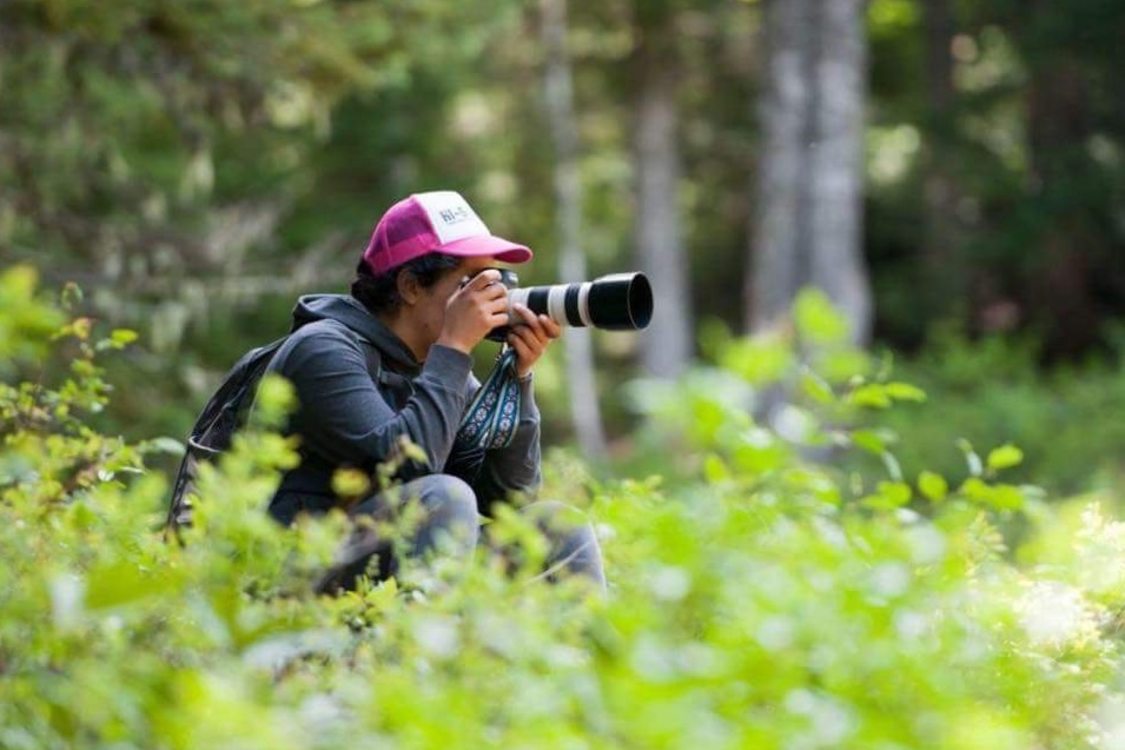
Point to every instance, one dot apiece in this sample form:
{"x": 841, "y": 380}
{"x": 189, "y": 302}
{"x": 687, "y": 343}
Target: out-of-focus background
{"x": 951, "y": 174}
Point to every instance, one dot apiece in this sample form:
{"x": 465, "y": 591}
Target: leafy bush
{"x": 768, "y": 598}
{"x": 1067, "y": 420}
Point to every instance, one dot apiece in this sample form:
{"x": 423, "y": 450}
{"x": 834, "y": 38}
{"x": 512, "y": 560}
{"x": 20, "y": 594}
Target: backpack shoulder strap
{"x": 231, "y": 397}
{"x": 213, "y": 429}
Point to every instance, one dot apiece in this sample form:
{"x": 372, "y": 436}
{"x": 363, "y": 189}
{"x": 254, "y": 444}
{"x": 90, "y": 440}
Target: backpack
{"x": 489, "y": 421}
{"x": 226, "y": 411}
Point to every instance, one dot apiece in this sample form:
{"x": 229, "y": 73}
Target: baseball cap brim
{"x": 504, "y": 250}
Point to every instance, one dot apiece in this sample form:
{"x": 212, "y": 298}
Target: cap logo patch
{"x": 451, "y": 216}
{"x": 454, "y": 215}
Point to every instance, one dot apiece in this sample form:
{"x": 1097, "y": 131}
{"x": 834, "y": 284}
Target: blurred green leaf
{"x": 997, "y": 496}
{"x": 871, "y": 395}
{"x": 123, "y": 336}
{"x": 933, "y": 486}
{"x": 888, "y": 496}
{"x": 817, "y": 320}
{"x": 1004, "y": 457}
{"x": 905, "y": 392}
{"x": 870, "y": 441}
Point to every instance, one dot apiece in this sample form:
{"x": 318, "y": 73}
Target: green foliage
{"x": 128, "y": 112}
{"x": 1065, "y": 420}
{"x": 156, "y": 150}
{"x": 786, "y": 395}
{"x": 25, "y": 320}
{"x": 766, "y": 598}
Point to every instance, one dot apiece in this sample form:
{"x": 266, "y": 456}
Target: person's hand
{"x": 531, "y": 337}
{"x": 474, "y": 310}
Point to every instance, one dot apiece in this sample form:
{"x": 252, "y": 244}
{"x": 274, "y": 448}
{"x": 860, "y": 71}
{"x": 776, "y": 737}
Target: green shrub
{"x": 764, "y": 599}
{"x": 1067, "y": 419}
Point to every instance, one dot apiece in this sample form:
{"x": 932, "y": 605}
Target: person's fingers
{"x": 534, "y": 342}
{"x": 541, "y": 324}
{"x": 494, "y": 292}
{"x": 483, "y": 279}
{"x": 499, "y": 305}
{"x": 524, "y": 354}
{"x": 537, "y": 342}
{"x": 530, "y": 320}
{"x": 524, "y": 312}
{"x": 528, "y": 353}
{"x": 553, "y": 329}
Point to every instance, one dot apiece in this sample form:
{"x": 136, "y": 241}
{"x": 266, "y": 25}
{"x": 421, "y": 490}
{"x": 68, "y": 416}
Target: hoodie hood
{"x": 346, "y": 309}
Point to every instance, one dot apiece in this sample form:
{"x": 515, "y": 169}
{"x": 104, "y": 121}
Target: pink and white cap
{"x": 436, "y": 222}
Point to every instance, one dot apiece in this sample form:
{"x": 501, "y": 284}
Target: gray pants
{"x": 440, "y": 512}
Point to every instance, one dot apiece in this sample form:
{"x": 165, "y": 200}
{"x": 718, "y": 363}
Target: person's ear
{"x": 408, "y": 287}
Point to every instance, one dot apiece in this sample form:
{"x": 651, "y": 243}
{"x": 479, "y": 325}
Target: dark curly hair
{"x": 379, "y": 292}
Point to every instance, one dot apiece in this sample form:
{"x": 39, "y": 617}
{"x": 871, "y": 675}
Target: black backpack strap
{"x": 233, "y": 385}
{"x": 211, "y": 433}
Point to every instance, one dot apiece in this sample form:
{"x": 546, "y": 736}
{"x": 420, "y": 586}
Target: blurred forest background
{"x": 950, "y": 172}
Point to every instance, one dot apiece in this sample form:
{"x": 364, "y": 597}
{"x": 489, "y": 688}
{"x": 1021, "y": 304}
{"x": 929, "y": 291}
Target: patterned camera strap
{"x": 492, "y": 417}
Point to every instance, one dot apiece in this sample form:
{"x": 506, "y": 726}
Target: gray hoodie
{"x": 360, "y": 390}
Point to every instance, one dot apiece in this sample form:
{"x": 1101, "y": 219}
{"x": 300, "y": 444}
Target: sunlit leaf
{"x": 933, "y": 486}
{"x": 1004, "y": 457}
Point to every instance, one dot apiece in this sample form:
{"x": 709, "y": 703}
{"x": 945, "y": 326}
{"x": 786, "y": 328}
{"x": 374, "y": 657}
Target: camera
{"x": 618, "y": 302}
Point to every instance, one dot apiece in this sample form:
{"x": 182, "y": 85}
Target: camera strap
{"x": 492, "y": 417}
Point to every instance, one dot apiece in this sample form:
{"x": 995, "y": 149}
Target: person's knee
{"x": 572, "y": 539}
{"x": 452, "y": 497}
{"x": 428, "y": 515}
{"x": 450, "y": 507}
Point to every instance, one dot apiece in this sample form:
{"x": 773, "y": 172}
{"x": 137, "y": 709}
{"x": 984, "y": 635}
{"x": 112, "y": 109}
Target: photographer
{"x": 390, "y": 362}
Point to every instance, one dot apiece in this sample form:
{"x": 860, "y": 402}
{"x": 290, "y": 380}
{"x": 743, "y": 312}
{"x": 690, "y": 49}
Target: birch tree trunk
{"x": 558, "y": 91}
{"x": 835, "y": 177}
{"x": 777, "y": 268}
{"x": 808, "y": 223}
{"x": 666, "y": 345}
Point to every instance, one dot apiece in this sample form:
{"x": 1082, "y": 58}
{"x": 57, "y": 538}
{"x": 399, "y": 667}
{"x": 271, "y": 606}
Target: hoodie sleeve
{"x": 516, "y": 467}
{"x": 343, "y": 417}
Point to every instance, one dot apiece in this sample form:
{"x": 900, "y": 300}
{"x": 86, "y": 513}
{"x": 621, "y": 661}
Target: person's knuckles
{"x": 486, "y": 277}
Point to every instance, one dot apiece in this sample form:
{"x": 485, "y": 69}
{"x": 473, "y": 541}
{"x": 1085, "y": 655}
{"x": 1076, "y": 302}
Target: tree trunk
{"x": 808, "y": 227}
{"x": 666, "y": 346}
{"x": 836, "y": 161}
{"x": 572, "y": 263}
{"x": 776, "y": 268}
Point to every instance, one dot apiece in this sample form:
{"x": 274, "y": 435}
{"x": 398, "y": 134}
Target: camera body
{"x": 511, "y": 280}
